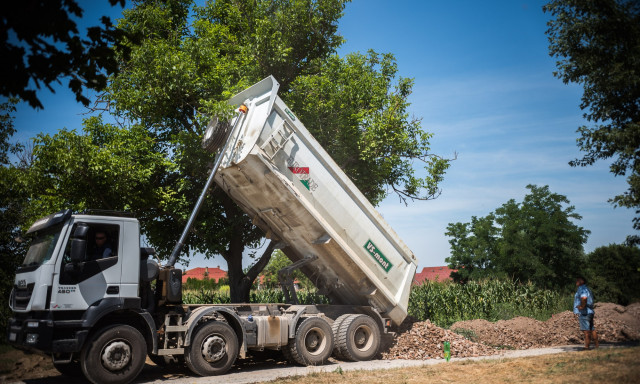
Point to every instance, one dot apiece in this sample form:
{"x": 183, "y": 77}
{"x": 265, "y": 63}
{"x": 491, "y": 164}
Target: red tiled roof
{"x": 433, "y": 273}
{"x": 201, "y": 273}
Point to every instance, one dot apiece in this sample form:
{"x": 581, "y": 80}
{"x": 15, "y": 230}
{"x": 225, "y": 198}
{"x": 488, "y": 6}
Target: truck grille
{"x": 21, "y": 296}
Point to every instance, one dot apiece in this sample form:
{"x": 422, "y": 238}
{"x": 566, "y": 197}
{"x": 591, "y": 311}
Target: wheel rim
{"x": 315, "y": 341}
{"x": 116, "y": 355}
{"x": 362, "y": 339}
{"x": 213, "y": 348}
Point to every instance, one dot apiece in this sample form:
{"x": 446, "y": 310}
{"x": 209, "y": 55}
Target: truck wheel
{"x": 335, "y": 327}
{"x": 213, "y": 349}
{"x": 114, "y": 355}
{"x": 358, "y": 338}
{"x": 313, "y": 342}
{"x": 71, "y": 369}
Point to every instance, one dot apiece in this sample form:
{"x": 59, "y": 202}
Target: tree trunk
{"x": 239, "y": 282}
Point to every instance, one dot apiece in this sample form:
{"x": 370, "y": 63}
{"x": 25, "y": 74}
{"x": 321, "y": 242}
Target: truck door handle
{"x": 113, "y": 290}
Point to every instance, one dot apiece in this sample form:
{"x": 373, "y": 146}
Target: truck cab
{"x": 68, "y": 284}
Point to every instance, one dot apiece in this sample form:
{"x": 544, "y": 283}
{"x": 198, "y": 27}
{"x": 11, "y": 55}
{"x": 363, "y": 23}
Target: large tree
{"x": 188, "y": 63}
{"x": 474, "y": 247}
{"x": 597, "y": 44}
{"x": 41, "y": 45}
{"x": 533, "y": 240}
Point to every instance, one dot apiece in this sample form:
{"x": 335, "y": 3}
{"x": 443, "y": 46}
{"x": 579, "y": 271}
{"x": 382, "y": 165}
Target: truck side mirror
{"x": 79, "y": 243}
{"x": 81, "y": 231}
{"x": 78, "y": 250}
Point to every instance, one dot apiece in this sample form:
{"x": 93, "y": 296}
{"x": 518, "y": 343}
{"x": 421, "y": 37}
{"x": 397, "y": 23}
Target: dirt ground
{"x": 614, "y": 324}
{"x": 423, "y": 340}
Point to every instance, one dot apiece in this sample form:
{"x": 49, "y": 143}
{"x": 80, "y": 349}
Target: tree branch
{"x": 256, "y": 268}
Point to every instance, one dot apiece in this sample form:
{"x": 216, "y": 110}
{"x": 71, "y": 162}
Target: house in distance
{"x": 433, "y": 274}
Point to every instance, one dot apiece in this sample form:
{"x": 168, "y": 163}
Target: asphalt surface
{"x": 269, "y": 367}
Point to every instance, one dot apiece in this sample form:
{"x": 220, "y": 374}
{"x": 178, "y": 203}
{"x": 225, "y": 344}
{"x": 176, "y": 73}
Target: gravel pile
{"x": 423, "y": 340}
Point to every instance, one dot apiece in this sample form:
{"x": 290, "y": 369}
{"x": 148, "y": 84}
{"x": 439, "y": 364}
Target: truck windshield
{"x": 41, "y": 248}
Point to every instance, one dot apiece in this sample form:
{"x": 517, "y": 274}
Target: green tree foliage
{"x": 613, "y": 272}
{"x": 357, "y": 110}
{"x": 42, "y": 44}
{"x": 192, "y": 59}
{"x": 474, "y": 246}
{"x": 535, "y": 240}
{"x": 12, "y": 197}
{"x": 278, "y": 261}
{"x": 105, "y": 167}
{"x": 597, "y": 43}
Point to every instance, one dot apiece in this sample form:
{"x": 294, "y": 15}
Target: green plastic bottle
{"x": 447, "y": 350}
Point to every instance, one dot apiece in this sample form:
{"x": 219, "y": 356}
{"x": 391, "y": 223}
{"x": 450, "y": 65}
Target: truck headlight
{"x": 32, "y": 324}
{"x": 32, "y": 338}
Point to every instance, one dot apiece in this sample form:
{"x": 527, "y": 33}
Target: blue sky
{"x": 484, "y": 86}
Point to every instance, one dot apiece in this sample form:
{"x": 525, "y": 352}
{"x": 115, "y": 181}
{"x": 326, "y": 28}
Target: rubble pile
{"x": 423, "y": 340}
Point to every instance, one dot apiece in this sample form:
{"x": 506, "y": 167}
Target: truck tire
{"x": 358, "y": 338}
{"x": 114, "y": 355}
{"x": 213, "y": 349}
{"x": 215, "y": 135}
{"x": 335, "y": 327}
{"x": 71, "y": 369}
{"x": 312, "y": 344}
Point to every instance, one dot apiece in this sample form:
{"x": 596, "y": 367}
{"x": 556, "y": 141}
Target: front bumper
{"x": 43, "y": 335}
{"x": 32, "y": 334}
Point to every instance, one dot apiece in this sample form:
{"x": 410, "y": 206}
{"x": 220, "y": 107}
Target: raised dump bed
{"x": 279, "y": 174}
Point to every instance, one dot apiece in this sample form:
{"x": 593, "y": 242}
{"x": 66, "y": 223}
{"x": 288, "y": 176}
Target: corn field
{"x": 445, "y": 303}
{"x": 256, "y": 296}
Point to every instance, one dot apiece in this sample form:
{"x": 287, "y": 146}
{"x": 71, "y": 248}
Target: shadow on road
{"x": 260, "y": 361}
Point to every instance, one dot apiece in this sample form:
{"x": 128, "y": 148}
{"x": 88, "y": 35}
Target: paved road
{"x": 247, "y": 375}
{"x": 267, "y": 368}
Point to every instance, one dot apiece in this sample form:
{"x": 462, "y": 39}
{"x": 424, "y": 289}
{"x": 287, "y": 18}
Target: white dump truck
{"x": 99, "y": 311}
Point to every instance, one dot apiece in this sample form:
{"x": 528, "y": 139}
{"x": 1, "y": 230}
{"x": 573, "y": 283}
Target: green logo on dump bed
{"x": 290, "y": 114}
{"x": 378, "y": 256}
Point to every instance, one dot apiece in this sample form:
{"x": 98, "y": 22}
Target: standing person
{"x": 102, "y": 247}
{"x": 583, "y": 307}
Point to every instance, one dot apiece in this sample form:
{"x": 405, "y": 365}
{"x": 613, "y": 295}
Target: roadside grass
{"x": 610, "y": 365}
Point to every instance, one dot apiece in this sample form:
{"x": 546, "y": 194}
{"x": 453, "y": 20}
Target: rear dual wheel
{"x": 357, "y": 338}
{"x": 335, "y": 328}
{"x": 312, "y": 344}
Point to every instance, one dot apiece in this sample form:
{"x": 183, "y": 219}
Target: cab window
{"x": 102, "y": 244}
